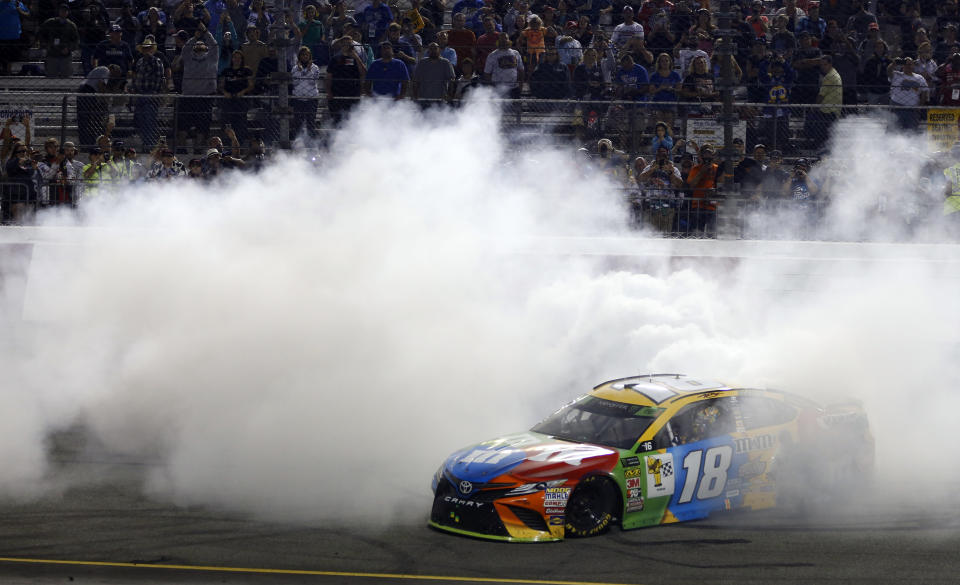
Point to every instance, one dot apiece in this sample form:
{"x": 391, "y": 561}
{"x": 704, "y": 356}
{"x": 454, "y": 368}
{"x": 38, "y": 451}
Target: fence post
{"x": 63, "y": 120}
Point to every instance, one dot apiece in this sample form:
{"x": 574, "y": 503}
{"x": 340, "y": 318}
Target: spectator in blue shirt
{"x": 387, "y": 77}
{"x": 631, "y": 80}
{"x": 373, "y": 21}
{"x": 10, "y": 47}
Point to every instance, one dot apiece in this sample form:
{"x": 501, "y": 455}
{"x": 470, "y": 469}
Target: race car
{"x": 649, "y": 450}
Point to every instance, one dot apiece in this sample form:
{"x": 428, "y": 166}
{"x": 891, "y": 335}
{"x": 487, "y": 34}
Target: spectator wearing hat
{"x": 114, "y": 51}
{"x": 626, "y": 30}
{"x": 211, "y": 164}
{"x": 757, "y": 20}
{"x": 812, "y": 24}
{"x": 801, "y": 186}
{"x": 149, "y": 80}
{"x": 91, "y": 108}
{"x": 487, "y": 42}
{"x": 569, "y": 48}
{"x": 135, "y": 169}
{"x": 59, "y": 37}
{"x": 96, "y": 174}
{"x": 120, "y": 168}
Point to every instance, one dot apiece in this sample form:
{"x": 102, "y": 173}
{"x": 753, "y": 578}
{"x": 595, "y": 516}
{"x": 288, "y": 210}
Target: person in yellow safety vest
{"x": 952, "y": 191}
{"x": 121, "y": 169}
{"x": 95, "y": 174}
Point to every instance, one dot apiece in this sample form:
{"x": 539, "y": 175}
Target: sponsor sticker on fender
{"x": 660, "y": 480}
{"x": 556, "y": 497}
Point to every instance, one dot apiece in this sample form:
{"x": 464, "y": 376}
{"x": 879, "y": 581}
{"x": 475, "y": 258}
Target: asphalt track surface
{"x": 105, "y": 531}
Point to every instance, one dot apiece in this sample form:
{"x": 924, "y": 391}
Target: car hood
{"x": 528, "y": 455}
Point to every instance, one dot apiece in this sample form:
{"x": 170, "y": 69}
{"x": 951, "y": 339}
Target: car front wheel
{"x": 591, "y": 508}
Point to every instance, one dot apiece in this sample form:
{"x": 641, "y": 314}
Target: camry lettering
{"x": 459, "y": 502}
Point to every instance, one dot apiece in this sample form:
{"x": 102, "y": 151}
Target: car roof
{"x": 655, "y": 389}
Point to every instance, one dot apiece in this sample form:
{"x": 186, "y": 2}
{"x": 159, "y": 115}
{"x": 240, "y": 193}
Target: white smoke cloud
{"x": 309, "y": 343}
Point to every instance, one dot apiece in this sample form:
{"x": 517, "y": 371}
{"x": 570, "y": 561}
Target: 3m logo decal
{"x": 659, "y": 475}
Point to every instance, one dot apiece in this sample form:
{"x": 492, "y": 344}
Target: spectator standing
{"x": 59, "y": 37}
{"x": 951, "y": 205}
{"x": 92, "y": 109}
{"x": 704, "y": 178}
{"x": 830, "y": 98}
{"x": 948, "y": 77}
{"x": 777, "y": 82}
{"x": 812, "y": 24}
{"x": 874, "y": 78}
{"x": 806, "y": 63}
{"x": 254, "y": 49}
{"x": 699, "y": 86}
{"x": 57, "y": 176}
{"x": 757, "y": 20}
{"x": 401, "y": 50}
{"x": 215, "y": 8}
{"x": 96, "y": 174}
{"x": 665, "y": 85}
{"x": 791, "y": 12}
{"x": 462, "y": 39}
{"x": 149, "y": 80}
{"x": 227, "y": 41}
{"x": 660, "y": 181}
{"x": 92, "y": 22}
{"x": 199, "y": 60}
{"x": 626, "y": 30}
{"x": 551, "y": 79}
{"x": 907, "y": 88}
{"x": 21, "y": 168}
{"x": 236, "y": 82}
{"x": 129, "y": 25}
{"x": 947, "y": 45}
{"x": 387, "y": 77}
{"x": 260, "y": 17}
{"x": 588, "y": 79}
{"x": 373, "y": 21}
{"x": 446, "y": 51}
{"x": 190, "y": 14}
{"x": 344, "y": 79}
{"x": 487, "y": 42}
{"x": 305, "y": 94}
{"x": 153, "y": 25}
{"x": 195, "y": 169}
{"x": 801, "y": 186}
{"x": 782, "y": 40}
{"x": 927, "y": 67}
{"x": 570, "y": 50}
{"x": 504, "y": 68}
{"x": 859, "y": 23}
{"x": 532, "y": 42}
{"x": 11, "y": 13}
{"x": 312, "y": 33}
{"x": 168, "y": 167}
{"x": 467, "y": 81}
{"x": 114, "y": 51}
{"x": 433, "y": 78}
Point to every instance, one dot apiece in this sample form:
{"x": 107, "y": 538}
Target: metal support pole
{"x": 280, "y": 38}
{"x": 726, "y": 48}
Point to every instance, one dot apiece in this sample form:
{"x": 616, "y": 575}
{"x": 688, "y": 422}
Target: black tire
{"x": 591, "y": 508}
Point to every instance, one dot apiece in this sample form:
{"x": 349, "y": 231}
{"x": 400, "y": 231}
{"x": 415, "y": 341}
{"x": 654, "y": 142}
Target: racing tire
{"x": 591, "y": 508}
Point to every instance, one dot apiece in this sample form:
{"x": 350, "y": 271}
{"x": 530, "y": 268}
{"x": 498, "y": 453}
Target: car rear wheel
{"x": 591, "y": 507}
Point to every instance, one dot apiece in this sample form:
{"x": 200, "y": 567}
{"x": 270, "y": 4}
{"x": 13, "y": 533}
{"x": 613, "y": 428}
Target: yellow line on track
{"x": 296, "y": 572}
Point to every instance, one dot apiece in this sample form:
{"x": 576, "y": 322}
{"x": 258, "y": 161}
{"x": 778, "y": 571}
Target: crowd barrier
{"x": 794, "y": 129}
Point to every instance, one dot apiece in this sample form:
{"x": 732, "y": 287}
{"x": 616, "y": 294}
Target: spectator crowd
{"x": 617, "y": 69}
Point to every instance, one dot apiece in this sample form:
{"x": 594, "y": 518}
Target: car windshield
{"x": 594, "y": 420}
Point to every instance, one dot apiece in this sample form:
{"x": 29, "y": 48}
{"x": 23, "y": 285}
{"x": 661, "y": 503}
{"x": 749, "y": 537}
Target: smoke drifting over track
{"x": 308, "y": 343}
